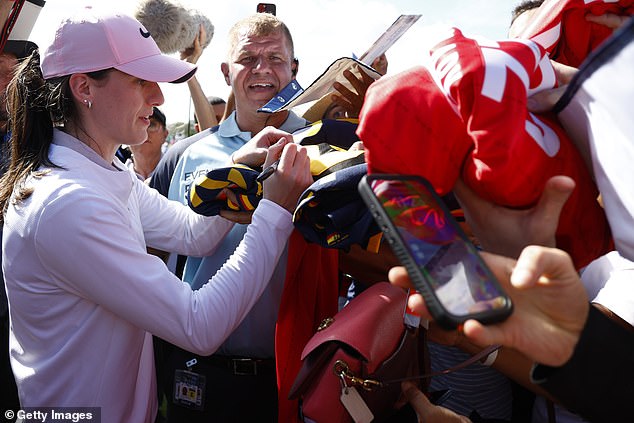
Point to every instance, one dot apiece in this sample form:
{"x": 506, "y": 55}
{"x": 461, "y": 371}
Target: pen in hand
{"x": 268, "y": 171}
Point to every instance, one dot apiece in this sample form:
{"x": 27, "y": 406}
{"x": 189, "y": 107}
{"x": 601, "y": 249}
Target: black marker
{"x": 268, "y": 171}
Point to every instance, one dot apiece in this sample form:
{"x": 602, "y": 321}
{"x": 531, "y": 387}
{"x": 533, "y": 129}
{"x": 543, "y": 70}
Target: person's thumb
{"x": 545, "y": 100}
{"x": 556, "y": 192}
{"x": 419, "y": 402}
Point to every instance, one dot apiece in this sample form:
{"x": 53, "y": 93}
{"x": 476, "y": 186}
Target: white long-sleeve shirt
{"x": 84, "y": 296}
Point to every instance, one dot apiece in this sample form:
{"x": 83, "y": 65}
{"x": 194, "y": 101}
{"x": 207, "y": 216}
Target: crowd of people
{"x": 120, "y": 296}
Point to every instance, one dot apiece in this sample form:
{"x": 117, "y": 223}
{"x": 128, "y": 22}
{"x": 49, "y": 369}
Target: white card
{"x": 355, "y": 405}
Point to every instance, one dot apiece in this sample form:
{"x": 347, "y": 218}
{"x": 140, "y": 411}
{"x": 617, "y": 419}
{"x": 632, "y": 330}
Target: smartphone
{"x": 266, "y": 8}
{"x": 443, "y": 264}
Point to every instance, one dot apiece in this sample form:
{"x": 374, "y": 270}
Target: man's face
{"x": 218, "y": 110}
{"x": 521, "y": 23}
{"x": 8, "y": 63}
{"x": 259, "y": 68}
{"x": 156, "y": 135}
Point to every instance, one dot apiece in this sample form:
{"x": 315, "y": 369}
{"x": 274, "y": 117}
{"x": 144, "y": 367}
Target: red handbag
{"x": 353, "y": 365}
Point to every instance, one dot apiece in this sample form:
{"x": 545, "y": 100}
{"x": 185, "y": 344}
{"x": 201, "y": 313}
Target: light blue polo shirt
{"x": 255, "y": 336}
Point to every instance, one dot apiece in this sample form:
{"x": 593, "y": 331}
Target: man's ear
{"x": 295, "y": 67}
{"x": 224, "y": 67}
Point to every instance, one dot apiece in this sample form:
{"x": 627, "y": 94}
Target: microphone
{"x": 172, "y": 26}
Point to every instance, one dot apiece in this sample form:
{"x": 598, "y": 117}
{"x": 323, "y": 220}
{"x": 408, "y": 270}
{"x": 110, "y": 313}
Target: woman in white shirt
{"x": 84, "y": 295}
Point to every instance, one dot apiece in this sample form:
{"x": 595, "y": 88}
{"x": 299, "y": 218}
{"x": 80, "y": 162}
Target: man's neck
{"x": 254, "y": 123}
{"x": 144, "y": 164}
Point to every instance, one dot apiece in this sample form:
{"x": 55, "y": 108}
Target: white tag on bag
{"x": 355, "y": 405}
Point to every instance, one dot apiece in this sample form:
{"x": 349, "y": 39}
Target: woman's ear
{"x": 80, "y": 87}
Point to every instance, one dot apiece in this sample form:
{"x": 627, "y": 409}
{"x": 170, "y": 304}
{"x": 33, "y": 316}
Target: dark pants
{"x": 9, "y": 399}
{"x": 236, "y": 390}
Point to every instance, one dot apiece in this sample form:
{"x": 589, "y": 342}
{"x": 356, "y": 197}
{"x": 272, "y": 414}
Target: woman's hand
{"x": 292, "y": 176}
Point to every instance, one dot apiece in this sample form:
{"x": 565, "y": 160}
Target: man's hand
{"x": 380, "y": 64}
{"x": 193, "y": 53}
{"x": 545, "y": 100}
{"x": 507, "y": 231}
{"x": 549, "y": 300}
{"x": 425, "y": 410}
{"x": 609, "y": 20}
{"x": 254, "y": 152}
{"x": 550, "y": 306}
{"x": 349, "y": 100}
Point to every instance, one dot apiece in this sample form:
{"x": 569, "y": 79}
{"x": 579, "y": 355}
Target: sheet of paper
{"x": 389, "y": 37}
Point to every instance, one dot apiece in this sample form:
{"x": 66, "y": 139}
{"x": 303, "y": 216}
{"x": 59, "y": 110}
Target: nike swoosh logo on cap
{"x": 144, "y": 34}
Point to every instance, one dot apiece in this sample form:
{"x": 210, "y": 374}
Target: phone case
{"x": 441, "y": 316}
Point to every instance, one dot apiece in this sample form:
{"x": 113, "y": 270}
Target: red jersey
{"x": 465, "y": 115}
{"x": 580, "y": 37}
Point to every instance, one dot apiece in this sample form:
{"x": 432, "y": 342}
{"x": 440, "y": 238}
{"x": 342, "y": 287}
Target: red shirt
{"x": 465, "y": 115}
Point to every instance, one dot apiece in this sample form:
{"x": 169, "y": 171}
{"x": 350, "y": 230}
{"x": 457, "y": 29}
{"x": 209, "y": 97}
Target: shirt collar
{"x": 229, "y": 127}
{"x": 63, "y": 139}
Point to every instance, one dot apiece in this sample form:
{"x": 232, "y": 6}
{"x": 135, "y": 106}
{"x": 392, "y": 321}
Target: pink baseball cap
{"x": 89, "y": 42}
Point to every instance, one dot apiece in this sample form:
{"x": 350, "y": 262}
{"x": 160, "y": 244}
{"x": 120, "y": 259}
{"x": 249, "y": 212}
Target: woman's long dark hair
{"x": 31, "y": 129}
{"x": 36, "y": 106}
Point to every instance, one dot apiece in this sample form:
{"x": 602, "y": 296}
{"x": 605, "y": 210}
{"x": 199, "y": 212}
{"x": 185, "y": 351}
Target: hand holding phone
{"x": 443, "y": 264}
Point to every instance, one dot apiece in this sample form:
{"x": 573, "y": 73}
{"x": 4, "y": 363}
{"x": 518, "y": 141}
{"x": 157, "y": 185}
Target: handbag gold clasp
{"x": 325, "y": 323}
{"x": 342, "y": 370}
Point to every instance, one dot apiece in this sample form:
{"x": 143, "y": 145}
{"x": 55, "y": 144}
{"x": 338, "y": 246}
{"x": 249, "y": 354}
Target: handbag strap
{"x": 477, "y": 357}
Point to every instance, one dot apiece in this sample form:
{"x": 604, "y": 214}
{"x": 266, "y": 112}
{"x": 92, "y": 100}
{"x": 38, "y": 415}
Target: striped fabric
{"x": 208, "y": 196}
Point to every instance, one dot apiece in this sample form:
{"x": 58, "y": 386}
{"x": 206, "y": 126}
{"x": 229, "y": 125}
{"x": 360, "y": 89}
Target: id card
{"x": 189, "y": 389}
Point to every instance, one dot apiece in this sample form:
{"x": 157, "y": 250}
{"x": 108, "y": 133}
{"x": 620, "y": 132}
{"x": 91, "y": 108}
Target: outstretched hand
{"x": 352, "y": 101}
{"x": 550, "y": 305}
{"x": 193, "y": 53}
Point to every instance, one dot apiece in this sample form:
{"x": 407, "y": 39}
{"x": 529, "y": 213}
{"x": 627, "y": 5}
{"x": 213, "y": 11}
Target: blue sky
{"x": 323, "y": 30}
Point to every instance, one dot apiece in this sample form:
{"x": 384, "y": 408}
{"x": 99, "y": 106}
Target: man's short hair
{"x": 258, "y": 25}
{"x": 21, "y": 49}
{"x": 524, "y": 6}
{"x": 213, "y": 100}
{"x": 159, "y": 116}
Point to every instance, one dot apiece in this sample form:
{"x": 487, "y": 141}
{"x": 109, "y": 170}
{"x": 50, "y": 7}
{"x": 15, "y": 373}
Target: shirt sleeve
{"x": 597, "y": 381}
{"x": 169, "y": 226}
{"x": 103, "y": 262}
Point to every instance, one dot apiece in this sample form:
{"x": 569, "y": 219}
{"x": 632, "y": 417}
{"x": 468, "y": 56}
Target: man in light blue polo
{"x": 260, "y": 63}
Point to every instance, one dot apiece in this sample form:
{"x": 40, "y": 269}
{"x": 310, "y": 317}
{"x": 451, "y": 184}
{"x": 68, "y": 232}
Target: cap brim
{"x": 159, "y": 68}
